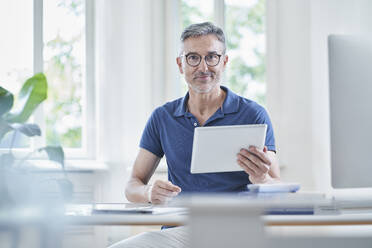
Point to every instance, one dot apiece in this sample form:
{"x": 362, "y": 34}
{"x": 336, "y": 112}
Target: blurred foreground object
{"x": 19, "y": 185}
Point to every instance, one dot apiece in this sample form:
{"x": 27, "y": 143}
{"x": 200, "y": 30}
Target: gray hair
{"x": 201, "y": 29}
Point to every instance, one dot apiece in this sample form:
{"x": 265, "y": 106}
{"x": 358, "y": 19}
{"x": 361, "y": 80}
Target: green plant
{"x": 13, "y": 119}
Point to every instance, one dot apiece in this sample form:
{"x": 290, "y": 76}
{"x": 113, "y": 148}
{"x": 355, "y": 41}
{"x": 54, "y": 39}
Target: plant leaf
{"x": 4, "y": 128}
{"x": 55, "y": 153}
{"x": 6, "y": 101}
{"x": 33, "y": 92}
{"x": 27, "y": 129}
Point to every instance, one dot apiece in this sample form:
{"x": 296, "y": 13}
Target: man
{"x": 170, "y": 130}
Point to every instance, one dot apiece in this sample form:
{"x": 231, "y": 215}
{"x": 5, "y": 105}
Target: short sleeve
{"x": 263, "y": 118}
{"x": 150, "y": 139}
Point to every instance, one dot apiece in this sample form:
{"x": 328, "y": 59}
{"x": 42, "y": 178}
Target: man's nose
{"x": 203, "y": 65}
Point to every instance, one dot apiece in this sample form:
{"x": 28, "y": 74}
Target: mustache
{"x": 203, "y": 74}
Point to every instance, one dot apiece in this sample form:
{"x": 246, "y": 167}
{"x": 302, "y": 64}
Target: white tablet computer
{"x": 215, "y": 149}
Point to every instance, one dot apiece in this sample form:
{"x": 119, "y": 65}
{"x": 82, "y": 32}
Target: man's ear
{"x": 225, "y": 60}
{"x": 179, "y": 63}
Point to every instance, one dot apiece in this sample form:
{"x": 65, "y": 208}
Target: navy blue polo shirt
{"x": 170, "y": 132}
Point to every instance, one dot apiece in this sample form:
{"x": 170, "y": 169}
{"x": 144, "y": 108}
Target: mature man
{"x": 170, "y": 130}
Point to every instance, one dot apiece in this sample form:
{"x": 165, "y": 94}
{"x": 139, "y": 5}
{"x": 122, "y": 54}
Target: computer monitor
{"x": 350, "y": 82}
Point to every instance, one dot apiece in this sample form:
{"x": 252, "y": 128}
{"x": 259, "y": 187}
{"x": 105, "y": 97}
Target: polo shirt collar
{"x": 182, "y": 106}
{"x": 230, "y": 104}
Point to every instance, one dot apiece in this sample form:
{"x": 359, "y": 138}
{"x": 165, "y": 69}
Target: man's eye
{"x": 212, "y": 57}
{"x": 194, "y": 57}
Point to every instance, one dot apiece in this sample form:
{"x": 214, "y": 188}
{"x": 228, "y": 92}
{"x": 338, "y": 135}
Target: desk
{"x": 318, "y": 220}
{"x": 81, "y": 215}
{"x": 216, "y": 222}
{"x": 127, "y": 219}
{"x": 176, "y": 220}
{"x": 34, "y": 218}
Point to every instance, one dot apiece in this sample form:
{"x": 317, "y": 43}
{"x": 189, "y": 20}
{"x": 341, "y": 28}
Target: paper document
{"x": 121, "y": 208}
{"x": 169, "y": 210}
{"x": 274, "y": 188}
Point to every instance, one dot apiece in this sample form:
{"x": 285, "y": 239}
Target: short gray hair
{"x": 201, "y": 29}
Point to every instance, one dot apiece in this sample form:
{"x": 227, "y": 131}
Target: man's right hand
{"x": 161, "y": 191}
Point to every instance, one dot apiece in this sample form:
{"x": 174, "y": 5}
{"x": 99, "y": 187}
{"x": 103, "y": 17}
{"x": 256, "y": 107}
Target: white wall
{"x": 124, "y": 91}
{"x": 298, "y": 80}
{"x": 289, "y": 85}
{"x": 136, "y": 45}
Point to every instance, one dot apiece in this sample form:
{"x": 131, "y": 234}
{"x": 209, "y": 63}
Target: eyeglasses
{"x": 194, "y": 59}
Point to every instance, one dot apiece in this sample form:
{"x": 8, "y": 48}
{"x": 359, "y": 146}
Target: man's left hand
{"x": 256, "y": 163}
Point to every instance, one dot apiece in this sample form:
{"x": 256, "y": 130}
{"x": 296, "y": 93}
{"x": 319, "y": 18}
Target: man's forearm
{"x": 137, "y": 191}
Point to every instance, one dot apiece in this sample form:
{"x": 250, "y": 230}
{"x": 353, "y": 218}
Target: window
{"x": 53, "y": 36}
{"x": 16, "y": 59}
{"x": 194, "y": 11}
{"x": 64, "y": 60}
{"x": 244, "y": 26}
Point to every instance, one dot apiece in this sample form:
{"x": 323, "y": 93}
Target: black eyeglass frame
{"x": 201, "y": 57}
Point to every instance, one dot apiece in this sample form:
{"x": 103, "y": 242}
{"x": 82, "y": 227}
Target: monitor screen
{"x": 350, "y": 81}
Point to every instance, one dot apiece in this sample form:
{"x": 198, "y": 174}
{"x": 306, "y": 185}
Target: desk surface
{"x": 317, "y": 220}
{"x": 174, "y": 219}
{"x": 86, "y": 218}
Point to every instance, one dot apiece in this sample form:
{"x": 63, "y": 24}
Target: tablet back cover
{"x": 215, "y": 149}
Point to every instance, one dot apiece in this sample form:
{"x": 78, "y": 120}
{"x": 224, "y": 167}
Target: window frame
{"x": 88, "y": 148}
